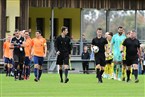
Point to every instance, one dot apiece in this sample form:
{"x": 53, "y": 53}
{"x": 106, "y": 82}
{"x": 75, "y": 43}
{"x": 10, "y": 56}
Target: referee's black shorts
{"x": 63, "y": 58}
{"x": 100, "y": 59}
{"x": 131, "y": 60}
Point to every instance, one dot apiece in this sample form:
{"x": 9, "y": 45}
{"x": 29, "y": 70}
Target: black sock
{"x": 66, "y": 73}
{"x": 40, "y": 73}
{"x": 128, "y": 74}
{"x": 15, "y": 73}
{"x": 101, "y": 72}
{"x": 27, "y": 72}
{"x": 97, "y": 73}
{"x": 20, "y": 76}
{"x": 60, "y": 73}
{"x": 136, "y": 74}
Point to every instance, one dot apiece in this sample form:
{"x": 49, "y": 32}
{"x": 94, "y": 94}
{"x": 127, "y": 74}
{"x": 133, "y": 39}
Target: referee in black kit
{"x": 132, "y": 54}
{"x": 63, "y": 47}
{"x": 100, "y": 55}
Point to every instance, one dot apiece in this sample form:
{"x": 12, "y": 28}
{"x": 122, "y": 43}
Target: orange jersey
{"x": 28, "y": 46}
{"x": 38, "y": 46}
{"x": 6, "y": 47}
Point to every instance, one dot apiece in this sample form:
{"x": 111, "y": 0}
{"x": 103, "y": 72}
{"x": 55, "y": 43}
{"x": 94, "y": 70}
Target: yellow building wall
{"x": 60, "y": 14}
{"x": 12, "y": 11}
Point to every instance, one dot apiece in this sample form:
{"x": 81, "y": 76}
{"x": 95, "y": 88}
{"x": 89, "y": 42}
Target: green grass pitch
{"x": 80, "y": 85}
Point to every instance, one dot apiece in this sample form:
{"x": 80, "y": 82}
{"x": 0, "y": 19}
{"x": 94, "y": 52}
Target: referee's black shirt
{"x": 17, "y": 42}
{"x": 63, "y": 44}
{"x": 100, "y": 42}
{"x": 132, "y": 46}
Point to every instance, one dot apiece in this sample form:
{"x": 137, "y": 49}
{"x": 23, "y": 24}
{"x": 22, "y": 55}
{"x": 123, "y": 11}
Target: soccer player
{"x": 17, "y": 43}
{"x": 39, "y": 51}
{"x": 28, "y": 48}
{"x": 85, "y": 57}
{"x": 6, "y": 56}
{"x": 63, "y": 50}
{"x": 116, "y": 42}
{"x": 100, "y": 55}
{"x": 132, "y": 49}
{"x": 124, "y": 59}
{"x": 109, "y": 57}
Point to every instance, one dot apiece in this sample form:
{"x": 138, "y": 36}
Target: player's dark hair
{"x": 99, "y": 29}
{"x": 128, "y": 32}
{"x": 26, "y": 31}
{"x": 16, "y": 30}
{"x": 63, "y": 28}
{"x": 120, "y": 27}
{"x": 39, "y": 32}
{"x": 110, "y": 33}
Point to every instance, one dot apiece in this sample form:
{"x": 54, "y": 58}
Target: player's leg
{"x": 87, "y": 67}
{"x": 105, "y": 75}
{"x": 36, "y": 68}
{"x": 61, "y": 72}
{"x": 135, "y": 68}
{"x": 27, "y": 62}
{"x": 21, "y": 64}
{"x": 6, "y": 65}
{"x": 109, "y": 69}
{"x": 128, "y": 68}
{"x": 66, "y": 64}
{"x": 16, "y": 63}
{"x": 83, "y": 66}
{"x": 40, "y": 67}
{"x": 60, "y": 63}
{"x": 66, "y": 73}
{"x": 102, "y": 67}
{"x": 119, "y": 71}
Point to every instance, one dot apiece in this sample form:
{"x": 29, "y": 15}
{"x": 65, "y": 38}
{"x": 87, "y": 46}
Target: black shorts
{"x": 63, "y": 58}
{"x": 100, "y": 59}
{"x": 19, "y": 58}
{"x": 109, "y": 61}
{"x": 6, "y": 60}
{"x": 124, "y": 62}
{"x": 131, "y": 60}
{"x": 27, "y": 61}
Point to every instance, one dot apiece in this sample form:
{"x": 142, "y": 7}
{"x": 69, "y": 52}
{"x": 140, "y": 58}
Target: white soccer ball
{"x": 95, "y": 49}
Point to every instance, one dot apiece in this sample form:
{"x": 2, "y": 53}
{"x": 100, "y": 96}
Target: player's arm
{"x": 106, "y": 49}
{"x": 12, "y": 44}
{"x": 122, "y": 47}
{"x": 57, "y": 46}
{"x": 32, "y": 48}
{"x": 93, "y": 44}
{"x": 139, "y": 51}
{"x": 23, "y": 44}
{"x": 45, "y": 48}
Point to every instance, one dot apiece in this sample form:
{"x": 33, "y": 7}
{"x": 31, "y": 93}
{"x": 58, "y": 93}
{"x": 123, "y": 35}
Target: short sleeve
{"x": 93, "y": 42}
{"x": 124, "y": 43}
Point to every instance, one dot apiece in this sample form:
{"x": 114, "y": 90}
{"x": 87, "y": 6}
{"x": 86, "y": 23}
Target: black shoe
{"x": 101, "y": 80}
{"x": 16, "y": 77}
{"x": 128, "y": 80}
{"x": 123, "y": 79}
{"x": 136, "y": 81}
{"x": 61, "y": 80}
{"x": 21, "y": 78}
{"x": 66, "y": 80}
{"x": 36, "y": 80}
